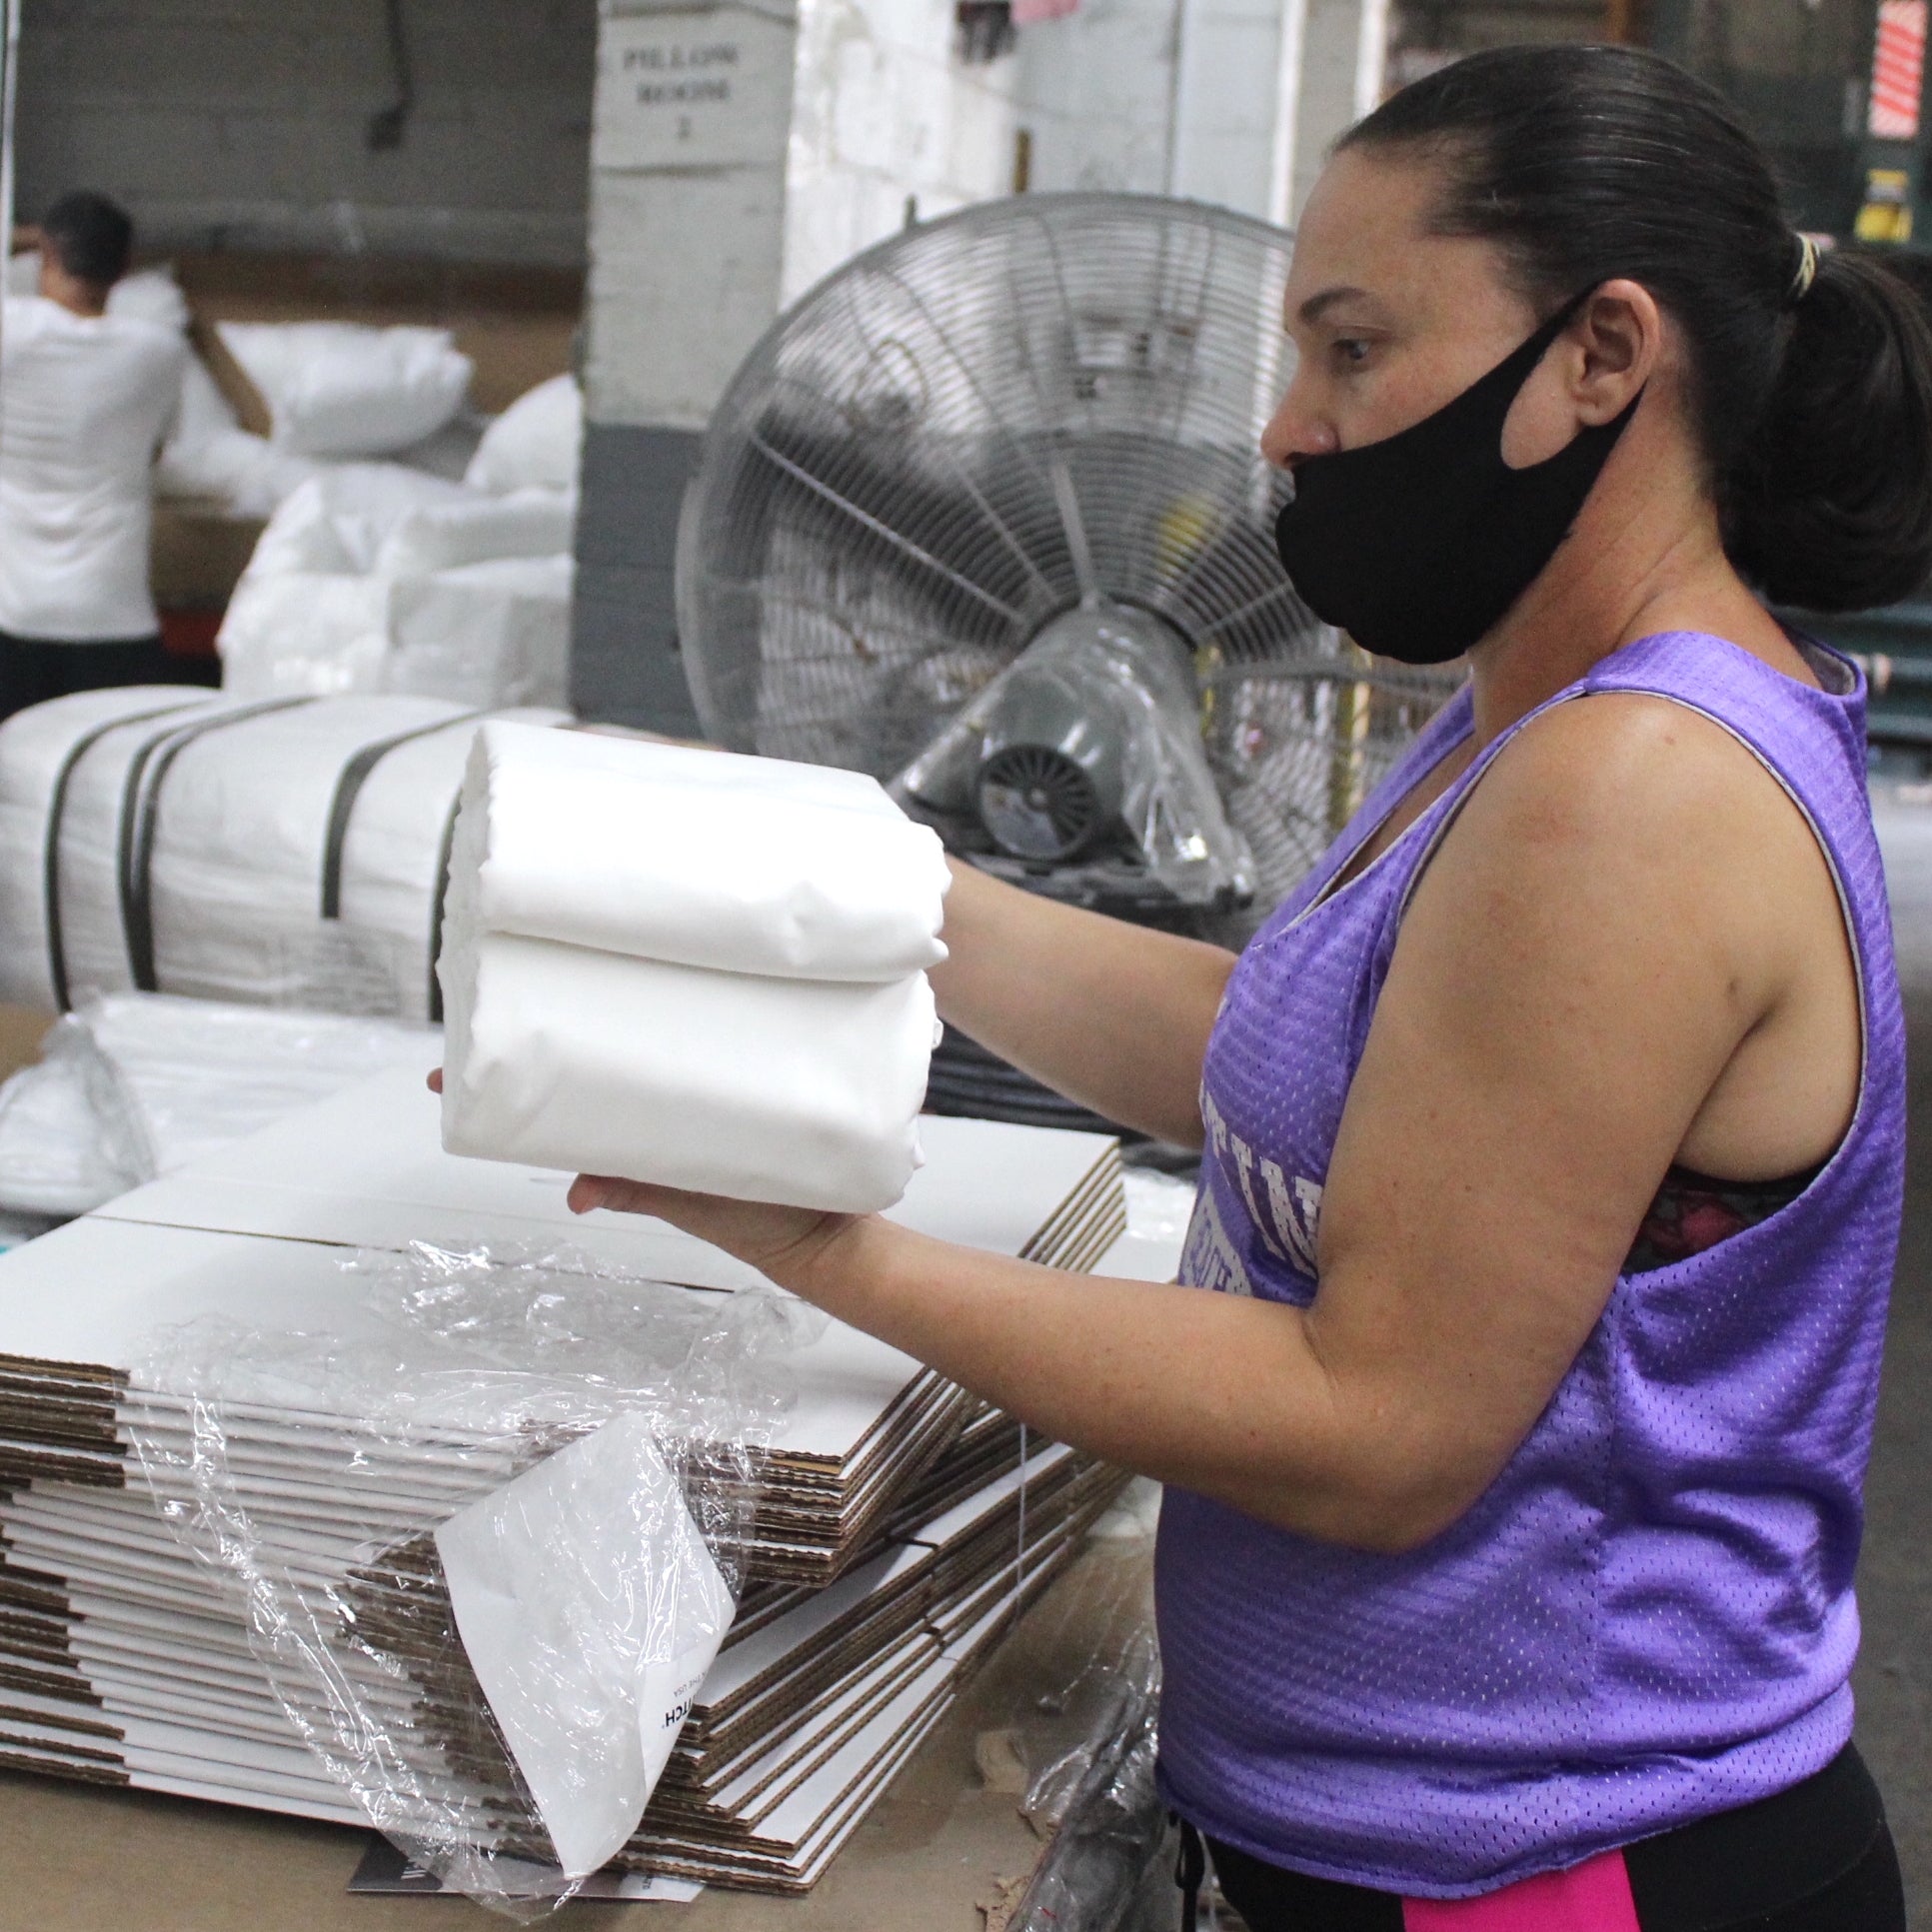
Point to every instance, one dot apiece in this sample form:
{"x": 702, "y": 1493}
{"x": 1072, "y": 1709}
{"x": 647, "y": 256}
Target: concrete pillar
{"x": 689, "y": 134}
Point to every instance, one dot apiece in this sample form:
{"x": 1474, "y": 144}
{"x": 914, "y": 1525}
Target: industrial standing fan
{"x": 985, "y": 515}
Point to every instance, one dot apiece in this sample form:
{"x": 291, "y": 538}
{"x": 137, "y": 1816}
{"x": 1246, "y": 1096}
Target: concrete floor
{"x": 1894, "y": 1678}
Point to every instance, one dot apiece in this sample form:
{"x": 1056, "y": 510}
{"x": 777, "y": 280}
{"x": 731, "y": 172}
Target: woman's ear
{"x": 1601, "y": 360}
{"x": 1620, "y": 334}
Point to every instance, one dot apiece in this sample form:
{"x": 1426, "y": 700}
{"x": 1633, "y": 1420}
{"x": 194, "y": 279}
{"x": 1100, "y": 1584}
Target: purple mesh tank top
{"x": 1649, "y": 1616}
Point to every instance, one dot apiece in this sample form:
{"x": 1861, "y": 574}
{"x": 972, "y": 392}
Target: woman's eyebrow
{"x": 1324, "y": 300}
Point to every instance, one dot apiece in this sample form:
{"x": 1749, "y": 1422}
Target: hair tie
{"x": 1807, "y": 270}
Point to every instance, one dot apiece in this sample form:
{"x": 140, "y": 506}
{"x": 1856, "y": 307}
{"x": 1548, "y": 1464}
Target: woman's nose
{"x": 1295, "y": 432}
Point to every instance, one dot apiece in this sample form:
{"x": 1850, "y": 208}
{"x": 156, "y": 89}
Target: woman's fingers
{"x": 770, "y": 1237}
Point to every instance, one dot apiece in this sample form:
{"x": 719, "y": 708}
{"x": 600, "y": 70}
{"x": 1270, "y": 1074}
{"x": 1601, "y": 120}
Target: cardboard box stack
{"x": 896, "y": 1529}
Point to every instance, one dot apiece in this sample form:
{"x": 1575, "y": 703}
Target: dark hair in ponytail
{"x": 1812, "y": 392}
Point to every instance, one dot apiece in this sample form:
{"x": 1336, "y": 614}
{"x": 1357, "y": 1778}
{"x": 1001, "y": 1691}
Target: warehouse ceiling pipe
{"x": 387, "y": 125}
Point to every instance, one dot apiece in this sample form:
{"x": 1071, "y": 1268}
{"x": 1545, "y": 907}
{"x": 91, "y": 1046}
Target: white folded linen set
{"x": 689, "y": 968}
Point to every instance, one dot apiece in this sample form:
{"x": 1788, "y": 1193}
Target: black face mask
{"x": 1416, "y": 545}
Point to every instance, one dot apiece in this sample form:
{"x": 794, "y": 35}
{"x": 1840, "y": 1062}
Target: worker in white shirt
{"x": 86, "y": 400}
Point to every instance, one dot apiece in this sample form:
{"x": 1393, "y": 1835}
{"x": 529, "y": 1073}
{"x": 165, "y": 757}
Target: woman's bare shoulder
{"x": 1622, "y": 768}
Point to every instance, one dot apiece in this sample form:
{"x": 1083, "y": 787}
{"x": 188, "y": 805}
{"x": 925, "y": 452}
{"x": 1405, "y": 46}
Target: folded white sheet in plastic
{"x": 346, "y": 389}
{"x": 689, "y": 968}
{"x": 590, "y": 1609}
{"x": 800, "y": 1091}
{"x": 695, "y": 857}
{"x": 281, "y": 853}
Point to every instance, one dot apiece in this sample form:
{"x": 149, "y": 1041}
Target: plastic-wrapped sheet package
{"x": 494, "y": 1655}
{"x": 689, "y": 968}
{"x": 133, "y": 1085}
{"x": 377, "y": 578}
{"x": 275, "y": 851}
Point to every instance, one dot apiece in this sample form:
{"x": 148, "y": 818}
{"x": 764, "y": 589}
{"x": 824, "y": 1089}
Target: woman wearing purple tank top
{"x": 1514, "y": 1407}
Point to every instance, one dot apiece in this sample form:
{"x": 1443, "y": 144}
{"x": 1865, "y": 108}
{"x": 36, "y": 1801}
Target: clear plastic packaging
{"x": 137, "y": 1084}
{"x": 483, "y": 1552}
{"x": 1081, "y": 765}
{"x": 376, "y": 578}
{"x": 1084, "y": 1753}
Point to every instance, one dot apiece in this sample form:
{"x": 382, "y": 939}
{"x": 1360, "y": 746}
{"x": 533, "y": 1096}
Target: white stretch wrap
{"x": 690, "y": 968}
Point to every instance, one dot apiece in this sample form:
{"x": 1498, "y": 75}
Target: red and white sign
{"x": 1898, "y": 70}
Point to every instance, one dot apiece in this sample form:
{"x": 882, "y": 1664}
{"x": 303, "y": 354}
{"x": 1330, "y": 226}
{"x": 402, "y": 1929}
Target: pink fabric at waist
{"x": 1591, "y": 1897}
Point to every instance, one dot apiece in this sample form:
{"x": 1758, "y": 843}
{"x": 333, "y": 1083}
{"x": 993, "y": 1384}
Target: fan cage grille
{"x": 981, "y": 422}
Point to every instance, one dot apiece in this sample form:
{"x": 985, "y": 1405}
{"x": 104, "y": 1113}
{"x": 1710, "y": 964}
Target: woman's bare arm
{"x": 1627, "y": 910}
{"x": 1111, "y": 1015}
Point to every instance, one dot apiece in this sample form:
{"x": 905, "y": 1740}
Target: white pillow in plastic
{"x": 304, "y": 633}
{"x": 445, "y": 536}
{"x": 484, "y": 634}
{"x": 340, "y": 519}
{"x": 247, "y": 474}
{"x": 344, "y": 389}
{"x": 211, "y": 455}
{"x": 537, "y": 441}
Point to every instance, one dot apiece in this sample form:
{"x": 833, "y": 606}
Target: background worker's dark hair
{"x": 92, "y": 236}
{"x": 1815, "y": 411}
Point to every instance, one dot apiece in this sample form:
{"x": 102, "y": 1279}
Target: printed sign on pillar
{"x": 695, "y": 88}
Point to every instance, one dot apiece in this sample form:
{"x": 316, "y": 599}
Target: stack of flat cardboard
{"x": 119, "y": 1663}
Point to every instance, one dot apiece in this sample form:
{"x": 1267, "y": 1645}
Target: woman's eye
{"x": 1352, "y": 348}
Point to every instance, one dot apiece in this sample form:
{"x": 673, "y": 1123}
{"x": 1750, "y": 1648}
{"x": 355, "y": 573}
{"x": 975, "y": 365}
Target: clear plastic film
{"x": 1084, "y": 1754}
{"x": 482, "y": 1541}
{"x": 132, "y": 1085}
{"x": 1083, "y": 761}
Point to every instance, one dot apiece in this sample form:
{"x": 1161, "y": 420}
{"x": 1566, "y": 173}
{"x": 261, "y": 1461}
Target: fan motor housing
{"x": 1037, "y": 803}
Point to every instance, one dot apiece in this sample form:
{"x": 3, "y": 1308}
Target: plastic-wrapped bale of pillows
{"x": 689, "y": 968}
{"x": 275, "y": 851}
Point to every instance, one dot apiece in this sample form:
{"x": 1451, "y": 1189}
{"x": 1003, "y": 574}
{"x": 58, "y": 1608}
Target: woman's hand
{"x": 790, "y": 1244}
